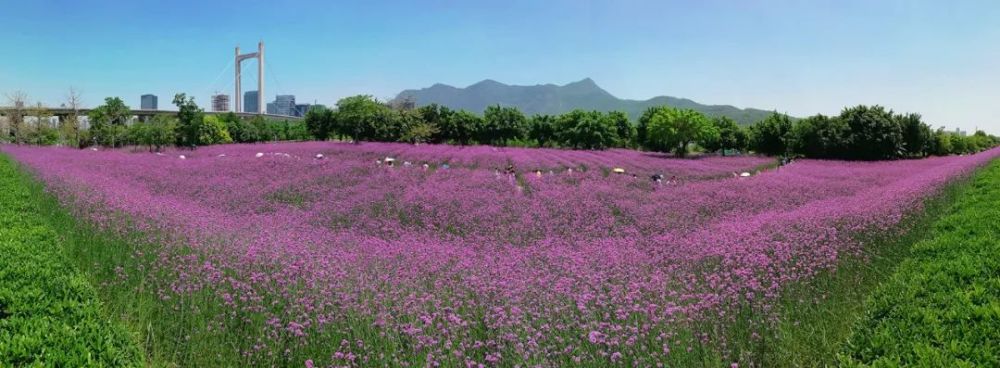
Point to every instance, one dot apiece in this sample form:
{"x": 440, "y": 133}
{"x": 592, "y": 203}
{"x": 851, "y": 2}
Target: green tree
{"x": 258, "y": 127}
{"x": 319, "y": 121}
{"x": 239, "y": 130}
{"x": 675, "y": 129}
{"x": 462, "y": 126}
{"x": 107, "y": 122}
{"x": 438, "y": 118}
{"x": 731, "y": 136}
{"x": 642, "y": 129}
{"x": 875, "y": 135}
{"x": 542, "y": 129}
{"x": 916, "y": 134}
{"x": 359, "y": 117}
{"x": 586, "y": 130}
{"x": 161, "y": 131}
{"x": 69, "y": 130}
{"x": 820, "y": 136}
{"x": 15, "y": 117}
{"x": 941, "y": 145}
{"x": 421, "y": 132}
{"x": 213, "y": 131}
{"x": 771, "y": 135}
{"x": 502, "y": 125}
{"x": 623, "y": 128}
{"x": 190, "y": 119}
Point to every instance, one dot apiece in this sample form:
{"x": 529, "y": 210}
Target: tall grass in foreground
{"x": 942, "y": 306}
{"x": 50, "y": 315}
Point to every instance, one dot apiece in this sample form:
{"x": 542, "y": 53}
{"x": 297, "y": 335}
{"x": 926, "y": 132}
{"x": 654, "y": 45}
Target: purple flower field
{"x": 339, "y": 260}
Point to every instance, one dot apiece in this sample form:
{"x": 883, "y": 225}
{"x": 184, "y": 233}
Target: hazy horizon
{"x": 795, "y": 57}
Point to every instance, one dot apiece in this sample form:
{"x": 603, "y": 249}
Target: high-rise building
{"x": 148, "y": 102}
{"x": 272, "y": 108}
{"x": 285, "y": 105}
{"x": 220, "y": 102}
{"x": 250, "y": 102}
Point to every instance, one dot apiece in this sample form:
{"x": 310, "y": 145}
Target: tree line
{"x": 857, "y": 133}
{"x": 363, "y": 118}
{"x": 111, "y": 125}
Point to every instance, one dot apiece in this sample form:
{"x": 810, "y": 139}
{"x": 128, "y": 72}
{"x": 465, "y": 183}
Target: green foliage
{"x": 772, "y": 135}
{"x": 362, "y": 117}
{"x": 731, "y": 136}
{"x": 942, "y": 307}
{"x": 820, "y": 136}
{"x": 213, "y": 131}
{"x": 320, "y": 122}
{"x": 107, "y": 122}
{"x": 502, "y": 124}
{"x": 240, "y": 131}
{"x": 42, "y": 134}
{"x": 623, "y": 127}
{"x": 50, "y": 315}
{"x": 462, "y": 127}
{"x": 916, "y": 135}
{"x": 542, "y": 129}
{"x": 874, "y": 133}
{"x": 190, "y": 119}
{"x": 420, "y": 132}
{"x": 155, "y": 134}
{"x": 438, "y": 118}
{"x": 586, "y": 130}
{"x": 673, "y": 129}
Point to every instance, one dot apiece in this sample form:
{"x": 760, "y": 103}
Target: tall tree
{"x": 820, "y": 136}
{"x": 586, "y": 130}
{"x": 731, "y": 136}
{"x": 875, "y": 134}
{"x": 438, "y": 118}
{"x": 624, "y": 129}
{"x": 320, "y": 122}
{"x": 503, "y": 124}
{"x": 542, "y": 129}
{"x": 69, "y": 126}
{"x": 916, "y": 134}
{"x": 675, "y": 129}
{"x": 15, "y": 117}
{"x": 359, "y": 117}
{"x": 190, "y": 119}
{"x": 462, "y": 127}
{"x": 108, "y": 121}
{"x": 772, "y": 135}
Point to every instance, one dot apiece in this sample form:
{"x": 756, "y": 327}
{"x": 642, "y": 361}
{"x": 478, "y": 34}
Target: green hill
{"x": 555, "y": 99}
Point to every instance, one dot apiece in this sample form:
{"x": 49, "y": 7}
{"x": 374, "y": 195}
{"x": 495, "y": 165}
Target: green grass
{"x": 942, "y": 306}
{"x": 50, "y": 315}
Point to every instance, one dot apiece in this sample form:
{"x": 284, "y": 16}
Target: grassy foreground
{"x": 942, "y": 306}
{"x": 50, "y": 315}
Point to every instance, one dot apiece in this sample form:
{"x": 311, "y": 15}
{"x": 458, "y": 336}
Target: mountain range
{"x": 554, "y": 99}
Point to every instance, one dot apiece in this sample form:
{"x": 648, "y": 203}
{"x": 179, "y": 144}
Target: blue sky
{"x": 938, "y": 58}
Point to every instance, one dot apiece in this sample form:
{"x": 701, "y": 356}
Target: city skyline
{"x": 915, "y": 56}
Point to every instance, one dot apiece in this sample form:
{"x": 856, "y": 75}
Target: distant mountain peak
{"x": 487, "y": 83}
{"x": 554, "y": 99}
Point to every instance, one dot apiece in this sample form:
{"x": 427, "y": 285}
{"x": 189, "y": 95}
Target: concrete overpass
{"x": 143, "y": 115}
